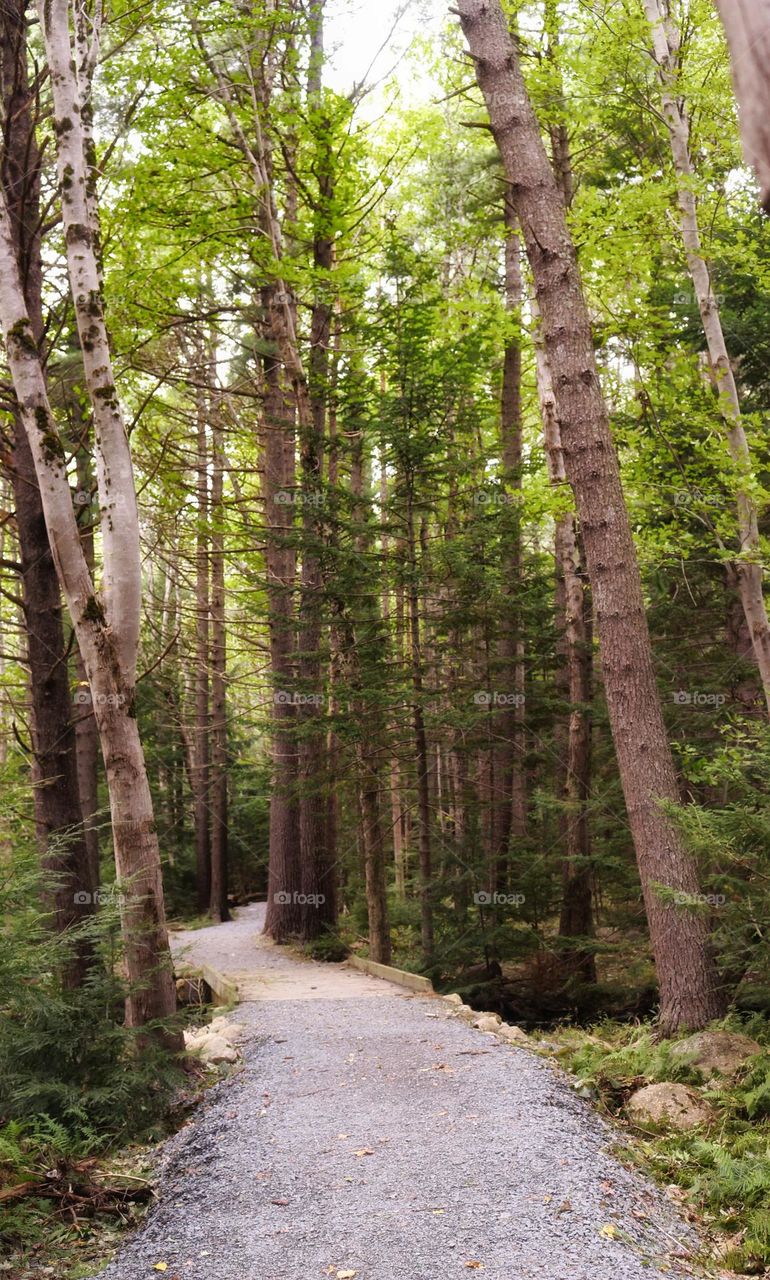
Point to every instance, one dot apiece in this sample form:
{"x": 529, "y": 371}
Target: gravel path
{"x": 370, "y": 1134}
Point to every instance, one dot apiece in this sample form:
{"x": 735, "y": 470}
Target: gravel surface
{"x": 382, "y": 1138}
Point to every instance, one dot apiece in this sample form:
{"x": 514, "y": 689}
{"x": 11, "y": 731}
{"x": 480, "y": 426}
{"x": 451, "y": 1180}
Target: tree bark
{"x": 420, "y": 739}
{"x": 318, "y": 863}
{"x": 58, "y": 814}
{"x": 202, "y": 749}
{"x": 284, "y": 915}
{"x": 86, "y": 732}
{"x": 747, "y": 26}
{"x": 689, "y": 996}
{"x": 107, "y": 632}
{"x": 509, "y": 799}
{"x": 748, "y": 569}
{"x": 573, "y": 622}
{"x": 219, "y": 850}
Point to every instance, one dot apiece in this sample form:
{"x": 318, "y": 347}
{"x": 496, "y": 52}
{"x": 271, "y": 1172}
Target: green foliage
{"x": 74, "y": 1081}
{"x": 726, "y": 1173}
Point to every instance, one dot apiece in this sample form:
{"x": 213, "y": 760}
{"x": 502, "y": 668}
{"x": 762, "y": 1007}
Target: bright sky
{"x": 366, "y": 39}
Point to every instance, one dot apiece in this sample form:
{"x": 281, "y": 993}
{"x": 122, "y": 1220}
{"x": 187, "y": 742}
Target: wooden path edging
{"x": 223, "y": 990}
{"x": 402, "y": 977}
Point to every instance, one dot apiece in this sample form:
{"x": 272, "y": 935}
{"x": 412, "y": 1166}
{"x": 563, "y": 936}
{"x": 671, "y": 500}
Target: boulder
{"x": 228, "y": 1030}
{"x": 453, "y": 999}
{"x": 487, "y": 1021}
{"x": 463, "y": 1011}
{"x": 671, "y": 1104}
{"x": 716, "y": 1052}
{"x": 514, "y": 1035}
{"x": 216, "y": 1049}
{"x": 214, "y": 1042}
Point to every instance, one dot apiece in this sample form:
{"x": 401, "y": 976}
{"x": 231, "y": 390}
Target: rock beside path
{"x": 675, "y": 1105}
{"x": 215, "y": 1042}
{"x": 716, "y": 1052}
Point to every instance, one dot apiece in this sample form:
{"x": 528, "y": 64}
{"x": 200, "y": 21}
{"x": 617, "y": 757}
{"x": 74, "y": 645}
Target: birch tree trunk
{"x": 107, "y": 631}
{"x": 747, "y": 26}
{"x": 689, "y": 996}
{"x": 58, "y": 815}
{"x": 86, "y": 732}
{"x": 748, "y": 568}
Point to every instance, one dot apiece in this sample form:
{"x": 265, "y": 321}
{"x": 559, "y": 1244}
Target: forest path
{"x": 260, "y": 970}
{"x": 369, "y": 1134}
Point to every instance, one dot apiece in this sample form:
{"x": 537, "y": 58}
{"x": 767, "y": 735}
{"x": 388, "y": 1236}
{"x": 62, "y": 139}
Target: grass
{"x": 723, "y": 1168}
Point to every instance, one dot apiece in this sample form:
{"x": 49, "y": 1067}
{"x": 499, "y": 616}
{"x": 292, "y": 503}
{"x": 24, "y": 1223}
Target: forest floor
{"x": 370, "y": 1134}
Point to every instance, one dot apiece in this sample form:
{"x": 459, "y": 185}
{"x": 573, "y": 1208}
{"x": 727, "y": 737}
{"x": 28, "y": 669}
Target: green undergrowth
{"x": 723, "y": 1168}
{"x": 80, "y": 1092}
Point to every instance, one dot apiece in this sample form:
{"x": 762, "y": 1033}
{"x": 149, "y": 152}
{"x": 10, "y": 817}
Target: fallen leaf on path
{"x": 346, "y": 1275}
{"x": 364, "y": 1151}
{"x": 279, "y": 1201}
{"x": 564, "y": 1207}
{"x": 474, "y": 1265}
{"x": 609, "y": 1231}
{"x": 160, "y": 1266}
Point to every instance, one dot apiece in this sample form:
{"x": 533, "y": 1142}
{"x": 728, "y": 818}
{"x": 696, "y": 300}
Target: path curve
{"x": 370, "y": 1134}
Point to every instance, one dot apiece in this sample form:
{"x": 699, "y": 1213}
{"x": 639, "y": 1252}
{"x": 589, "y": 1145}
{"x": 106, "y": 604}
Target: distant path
{"x": 368, "y": 1134}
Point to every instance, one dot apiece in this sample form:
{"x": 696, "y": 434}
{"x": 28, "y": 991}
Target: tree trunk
{"x": 284, "y": 915}
{"x": 748, "y": 569}
{"x": 689, "y": 996}
{"x": 747, "y": 26}
{"x": 361, "y": 629}
{"x": 509, "y": 798}
{"x": 218, "y": 904}
{"x": 573, "y": 622}
{"x": 107, "y": 633}
{"x": 420, "y": 742}
{"x": 374, "y": 860}
{"x": 86, "y": 732}
{"x": 202, "y": 749}
{"x": 58, "y": 814}
{"x": 318, "y": 870}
